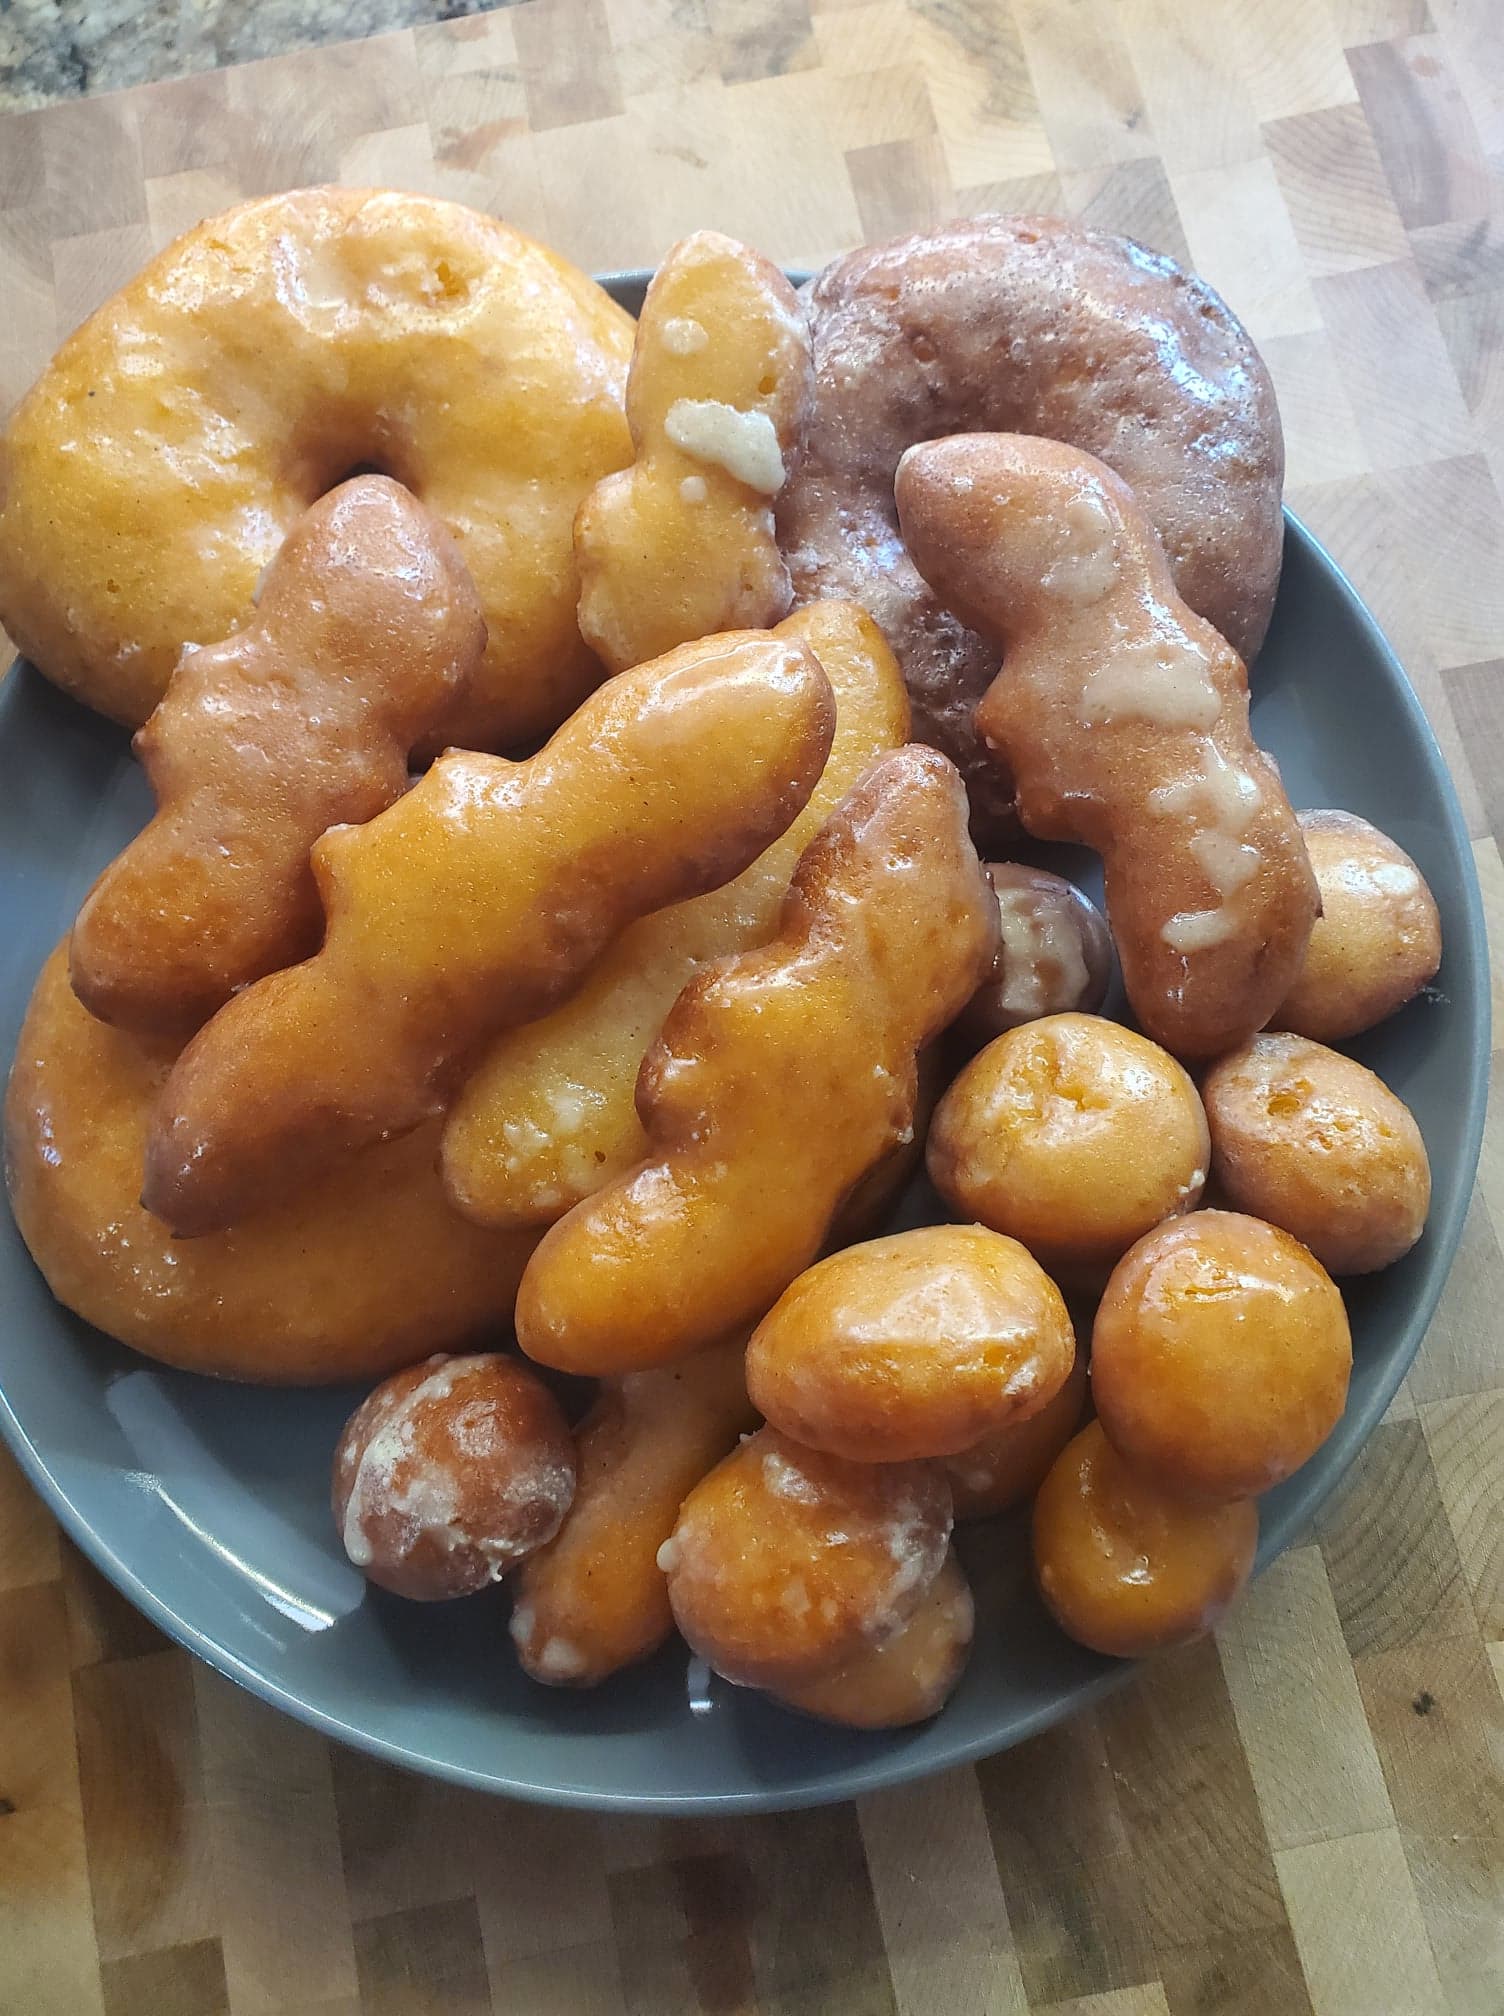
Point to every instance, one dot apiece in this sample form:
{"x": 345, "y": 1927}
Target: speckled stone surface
{"x": 52, "y": 49}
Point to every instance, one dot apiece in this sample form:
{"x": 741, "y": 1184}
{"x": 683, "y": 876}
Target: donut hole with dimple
{"x": 1074, "y": 1136}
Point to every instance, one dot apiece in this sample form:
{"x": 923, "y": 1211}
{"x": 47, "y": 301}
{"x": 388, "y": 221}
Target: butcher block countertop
{"x": 1306, "y": 1815}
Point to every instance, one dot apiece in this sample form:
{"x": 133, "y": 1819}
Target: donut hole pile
{"x": 615, "y": 1058}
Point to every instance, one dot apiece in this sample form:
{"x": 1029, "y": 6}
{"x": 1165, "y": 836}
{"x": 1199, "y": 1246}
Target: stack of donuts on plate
{"x": 565, "y": 918}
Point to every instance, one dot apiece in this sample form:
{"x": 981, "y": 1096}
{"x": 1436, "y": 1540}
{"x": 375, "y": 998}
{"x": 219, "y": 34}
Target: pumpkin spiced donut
{"x": 1029, "y": 325}
{"x": 155, "y": 467}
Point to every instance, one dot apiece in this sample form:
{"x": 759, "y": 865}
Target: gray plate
{"x": 206, "y": 1505}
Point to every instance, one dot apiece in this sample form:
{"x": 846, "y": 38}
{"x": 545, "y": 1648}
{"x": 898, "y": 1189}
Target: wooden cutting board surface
{"x": 1306, "y": 1815}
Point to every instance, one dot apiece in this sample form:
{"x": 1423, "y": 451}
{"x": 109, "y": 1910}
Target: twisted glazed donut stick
{"x": 595, "y": 1599}
{"x": 478, "y": 900}
{"x": 367, "y": 629}
{"x": 782, "y": 1076}
{"x": 547, "y": 1116}
{"x": 1124, "y": 718}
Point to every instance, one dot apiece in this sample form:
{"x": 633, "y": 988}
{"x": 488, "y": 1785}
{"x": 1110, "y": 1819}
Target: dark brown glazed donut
{"x": 1029, "y": 325}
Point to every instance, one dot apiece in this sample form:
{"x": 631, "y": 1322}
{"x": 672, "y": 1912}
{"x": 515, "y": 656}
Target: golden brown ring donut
{"x": 366, "y": 1269}
{"x": 155, "y": 466}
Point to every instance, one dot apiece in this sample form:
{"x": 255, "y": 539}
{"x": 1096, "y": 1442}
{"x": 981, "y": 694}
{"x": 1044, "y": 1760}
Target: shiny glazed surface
{"x": 1006, "y": 1468}
{"x": 755, "y": 1144}
{"x": 364, "y": 1268}
{"x": 1220, "y": 1356}
{"x": 1378, "y": 938}
{"x": 1072, "y": 1135}
{"x": 907, "y": 1679}
{"x": 912, "y": 1346}
{"x": 1317, "y": 1143}
{"x": 1055, "y": 956}
{"x": 1127, "y": 1568}
{"x": 366, "y": 631}
{"x": 477, "y": 900}
{"x": 158, "y": 463}
{"x": 548, "y": 1115}
{"x": 785, "y": 1562}
{"x": 680, "y": 546}
{"x": 1029, "y": 325}
{"x": 449, "y": 1473}
{"x": 1120, "y": 715}
{"x": 115, "y": 1444}
{"x": 595, "y": 1599}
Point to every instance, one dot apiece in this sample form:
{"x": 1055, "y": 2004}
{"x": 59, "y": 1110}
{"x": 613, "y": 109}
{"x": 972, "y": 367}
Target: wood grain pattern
{"x": 1307, "y": 1815}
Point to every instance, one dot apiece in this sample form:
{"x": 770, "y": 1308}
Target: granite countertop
{"x": 54, "y": 49}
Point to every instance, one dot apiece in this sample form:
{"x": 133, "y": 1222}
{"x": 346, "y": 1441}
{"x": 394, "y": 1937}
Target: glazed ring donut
{"x": 154, "y": 468}
{"x": 1029, "y": 325}
{"x": 361, "y": 1271}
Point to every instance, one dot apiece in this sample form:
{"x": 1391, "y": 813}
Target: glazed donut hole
{"x": 450, "y": 1473}
{"x": 786, "y": 1562}
{"x": 1220, "y": 1356}
{"x": 1005, "y": 1469}
{"x": 1378, "y": 938}
{"x": 912, "y": 1346}
{"x": 1074, "y": 1136}
{"x": 1054, "y": 957}
{"x": 1126, "y": 1567}
{"x": 908, "y": 1679}
{"x": 1318, "y": 1144}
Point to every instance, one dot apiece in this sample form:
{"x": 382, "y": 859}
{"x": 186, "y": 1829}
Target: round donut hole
{"x": 1220, "y": 1356}
{"x": 1006, "y": 1468}
{"x": 784, "y": 1563}
{"x": 1126, "y": 1567}
{"x": 451, "y": 1472}
{"x": 1074, "y": 1136}
{"x": 1318, "y": 1144}
{"x": 911, "y": 1347}
{"x": 908, "y": 1678}
{"x": 1054, "y": 956}
{"x": 1377, "y": 942}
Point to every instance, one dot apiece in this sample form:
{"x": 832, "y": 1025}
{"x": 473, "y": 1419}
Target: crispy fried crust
{"x": 781, "y": 1077}
{"x": 477, "y": 900}
{"x": 1124, "y": 719}
{"x": 681, "y": 544}
{"x": 367, "y": 629}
